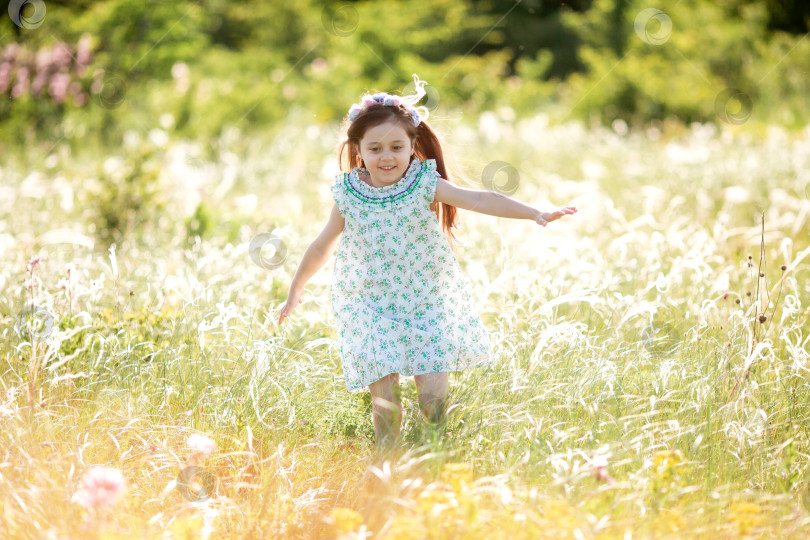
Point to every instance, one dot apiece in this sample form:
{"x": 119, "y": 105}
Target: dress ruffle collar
{"x": 379, "y": 198}
{"x": 367, "y": 189}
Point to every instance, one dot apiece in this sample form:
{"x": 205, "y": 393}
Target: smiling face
{"x": 386, "y": 151}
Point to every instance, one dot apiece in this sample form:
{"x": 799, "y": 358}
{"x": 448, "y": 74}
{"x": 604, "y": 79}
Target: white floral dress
{"x": 401, "y": 301}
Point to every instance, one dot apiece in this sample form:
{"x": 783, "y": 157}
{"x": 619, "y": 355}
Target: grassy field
{"x": 636, "y": 393}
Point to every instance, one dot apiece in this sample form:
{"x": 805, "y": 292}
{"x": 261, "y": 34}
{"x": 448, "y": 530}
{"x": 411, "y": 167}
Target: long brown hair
{"x": 425, "y": 143}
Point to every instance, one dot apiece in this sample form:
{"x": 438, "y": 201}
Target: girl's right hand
{"x": 292, "y": 300}
{"x": 544, "y": 218}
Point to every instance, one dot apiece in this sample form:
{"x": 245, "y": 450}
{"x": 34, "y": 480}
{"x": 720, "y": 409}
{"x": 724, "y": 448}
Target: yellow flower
{"x": 556, "y": 508}
{"x": 433, "y": 501}
{"x": 558, "y": 517}
{"x": 746, "y": 515}
{"x": 189, "y": 527}
{"x": 457, "y": 475}
{"x": 668, "y": 468}
{"x": 406, "y": 528}
{"x": 666, "y": 459}
{"x": 345, "y": 519}
{"x": 669, "y": 521}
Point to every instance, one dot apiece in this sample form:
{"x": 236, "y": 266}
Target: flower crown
{"x": 418, "y": 114}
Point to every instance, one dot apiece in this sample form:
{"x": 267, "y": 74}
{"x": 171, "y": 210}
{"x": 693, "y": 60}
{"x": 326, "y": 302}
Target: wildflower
{"x": 559, "y": 517}
{"x": 784, "y": 268}
{"x": 737, "y": 301}
{"x": 456, "y": 474}
{"x": 22, "y": 83}
{"x": 748, "y": 293}
{"x": 762, "y": 274}
{"x": 600, "y": 464}
{"x": 762, "y": 319}
{"x": 406, "y": 528}
{"x": 668, "y": 468}
{"x": 32, "y": 264}
{"x": 669, "y": 521}
{"x": 31, "y": 283}
{"x": 434, "y": 501}
{"x": 746, "y": 515}
{"x": 101, "y": 487}
{"x": 666, "y": 458}
{"x": 201, "y": 443}
{"x": 345, "y": 519}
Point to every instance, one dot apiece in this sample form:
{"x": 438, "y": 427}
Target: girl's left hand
{"x": 293, "y": 300}
{"x": 543, "y": 218}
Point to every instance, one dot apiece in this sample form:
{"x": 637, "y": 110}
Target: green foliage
{"x": 127, "y": 198}
{"x": 352, "y": 418}
{"x": 143, "y": 39}
{"x": 200, "y": 223}
{"x": 682, "y": 71}
{"x": 253, "y": 63}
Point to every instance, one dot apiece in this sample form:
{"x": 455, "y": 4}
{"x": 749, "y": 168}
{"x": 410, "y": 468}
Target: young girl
{"x": 401, "y": 301}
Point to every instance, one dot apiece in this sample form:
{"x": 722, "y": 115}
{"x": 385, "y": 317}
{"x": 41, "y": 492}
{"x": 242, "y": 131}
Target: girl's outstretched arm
{"x": 316, "y": 255}
{"x": 494, "y": 204}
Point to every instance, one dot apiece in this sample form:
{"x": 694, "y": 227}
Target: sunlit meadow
{"x": 652, "y": 364}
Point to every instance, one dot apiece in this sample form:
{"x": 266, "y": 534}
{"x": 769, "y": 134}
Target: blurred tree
{"x": 789, "y": 15}
{"x": 527, "y": 27}
{"x": 282, "y": 26}
{"x": 252, "y": 62}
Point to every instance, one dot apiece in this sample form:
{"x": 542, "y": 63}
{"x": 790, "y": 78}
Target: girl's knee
{"x": 382, "y": 405}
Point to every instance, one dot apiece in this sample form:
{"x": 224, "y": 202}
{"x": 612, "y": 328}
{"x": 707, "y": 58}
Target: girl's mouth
{"x": 388, "y": 168}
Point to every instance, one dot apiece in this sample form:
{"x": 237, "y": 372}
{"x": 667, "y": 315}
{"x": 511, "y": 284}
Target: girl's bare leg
{"x": 387, "y": 409}
{"x": 432, "y": 388}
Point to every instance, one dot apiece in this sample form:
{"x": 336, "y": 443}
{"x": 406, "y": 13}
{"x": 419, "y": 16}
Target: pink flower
{"x": 180, "y": 70}
{"x": 59, "y": 86}
{"x": 5, "y": 76}
{"x": 32, "y": 263}
{"x": 201, "y": 443}
{"x": 21, "y": 85}
{"x": 101, "y": 488}
{"x": 61, "y": 56}
{"x": 83, "y": 53}
{"x": 600, "y": 464}
{"x": 75, "y": 88}
{"x": 31, "y": 283}
{"x": 39, "y": 83}
{"x": 10, "y": 52}
{"x": 43, "y": 60}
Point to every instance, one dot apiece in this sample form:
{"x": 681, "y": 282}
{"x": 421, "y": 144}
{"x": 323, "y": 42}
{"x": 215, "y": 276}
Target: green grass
{"x": 616, "y": 333}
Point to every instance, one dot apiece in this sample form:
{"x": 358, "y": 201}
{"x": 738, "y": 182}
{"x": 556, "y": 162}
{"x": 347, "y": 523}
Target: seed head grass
{"x": 637, "y": 390}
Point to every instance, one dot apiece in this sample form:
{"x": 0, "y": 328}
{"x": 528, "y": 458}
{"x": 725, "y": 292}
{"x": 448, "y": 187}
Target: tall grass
{"x": 633, "y": 395}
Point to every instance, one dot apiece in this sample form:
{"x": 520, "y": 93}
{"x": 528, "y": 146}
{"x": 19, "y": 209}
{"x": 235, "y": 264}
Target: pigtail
{"x": 427, "y": 146}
